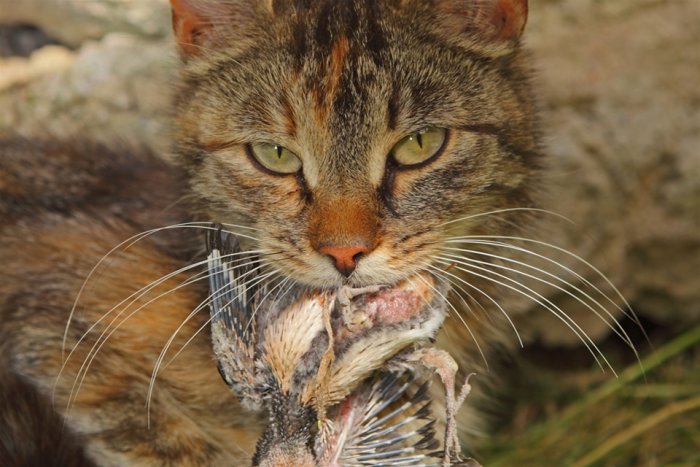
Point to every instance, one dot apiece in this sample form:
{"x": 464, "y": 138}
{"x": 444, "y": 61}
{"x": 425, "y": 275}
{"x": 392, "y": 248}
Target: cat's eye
{"x": 275, "y": 158}
{"x": 420, "y": 146}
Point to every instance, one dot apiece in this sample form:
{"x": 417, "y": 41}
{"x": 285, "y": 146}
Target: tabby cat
{"x": 350, "y": 142}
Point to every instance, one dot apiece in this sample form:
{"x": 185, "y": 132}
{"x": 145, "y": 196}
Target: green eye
{"x": 420, "y": 146}
{"x": 275, "y": 158}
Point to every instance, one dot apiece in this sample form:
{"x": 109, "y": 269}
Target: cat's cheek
{"x": 315, "y": 273}
{"x": 403, "y": 183}
{"x": 379, "y": 267}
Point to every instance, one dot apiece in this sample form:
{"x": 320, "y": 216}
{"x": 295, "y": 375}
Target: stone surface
{"x": 619, "y": 85}
{"x": 619, "y": 90}
{"x": 21, "y": 39}
{"x": 116, "y": 88}
{"x": 74, "y": 21}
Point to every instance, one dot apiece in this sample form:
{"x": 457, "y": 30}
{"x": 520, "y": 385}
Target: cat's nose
{"x": 345, "y": 257}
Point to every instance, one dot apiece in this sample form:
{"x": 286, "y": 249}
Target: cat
{"x": 354, "y": 142}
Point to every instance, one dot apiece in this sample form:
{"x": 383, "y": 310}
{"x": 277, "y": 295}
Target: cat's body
{"x": 66, "y": 208}
{"x": 340, "y": 85}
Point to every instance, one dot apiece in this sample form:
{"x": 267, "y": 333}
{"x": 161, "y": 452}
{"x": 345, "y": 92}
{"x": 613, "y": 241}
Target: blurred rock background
{"x": 96, "y": 68}
{"x": 619, "y": 85}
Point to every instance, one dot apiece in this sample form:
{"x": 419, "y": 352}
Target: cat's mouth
{"x": 413, "y": 299}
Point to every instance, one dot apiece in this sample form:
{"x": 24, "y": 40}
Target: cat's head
{"x": 347, "y": 133}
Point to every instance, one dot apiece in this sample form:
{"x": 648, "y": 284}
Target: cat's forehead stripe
{"x": 338, "y": 56}
{"x": 288, "y": 116}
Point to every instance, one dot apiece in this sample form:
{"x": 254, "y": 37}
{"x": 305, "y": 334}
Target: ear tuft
{"x": 509, "y": 18}
{"x": 201, "y": 25}
{"x": 500, "y": 21}
{"x": 190, "y": 25}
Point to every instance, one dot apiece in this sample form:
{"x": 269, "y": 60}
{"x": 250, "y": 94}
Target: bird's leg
{"x": 324, "y": 369}
{"x": 446, "y": 367}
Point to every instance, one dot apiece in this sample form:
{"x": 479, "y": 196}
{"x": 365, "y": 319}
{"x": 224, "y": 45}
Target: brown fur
{"x": 26, "y": 415}
{"x": 47, "y": 252}
{"x": 256, "y": 72}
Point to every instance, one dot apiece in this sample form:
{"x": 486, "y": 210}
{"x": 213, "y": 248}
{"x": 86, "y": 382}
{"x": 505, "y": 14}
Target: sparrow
{"x": 343, "y": 373}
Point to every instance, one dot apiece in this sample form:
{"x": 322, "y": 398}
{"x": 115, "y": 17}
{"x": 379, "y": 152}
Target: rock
{"x": 21, "y": 40}
{"x": 50, "y": 59}
{"x": 105, "y": 91}
{"x": 619, "y": 86}
{"x": 74, "y": 22}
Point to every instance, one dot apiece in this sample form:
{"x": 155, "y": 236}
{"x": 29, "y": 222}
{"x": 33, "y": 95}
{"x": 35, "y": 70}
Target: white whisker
{"x": 172, "y": 337}
{"x": 507, "y": 210}
{"x": 616, "y": 328}
{"x": 278, "y": 286}
{"x": 279, "y": 297}
{"x": 492, "y": 240}
{"x": 135, "y": 296}
{"x": 545, "y": 303}
{"x": 458, "y": 315}
{"x": 258, "y": 280}
{"x": 498, "y": 305}
{"x": 102, "y": 339}
{"x": 126, "y": 244}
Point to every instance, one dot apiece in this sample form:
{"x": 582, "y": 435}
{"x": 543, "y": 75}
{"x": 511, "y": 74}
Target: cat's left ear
{"x": 495, "y": 23}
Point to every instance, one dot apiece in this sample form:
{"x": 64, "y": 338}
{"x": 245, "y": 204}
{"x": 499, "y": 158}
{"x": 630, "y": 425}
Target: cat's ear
{"x": 201, "y": 25}
{"x": 499, "y": 23}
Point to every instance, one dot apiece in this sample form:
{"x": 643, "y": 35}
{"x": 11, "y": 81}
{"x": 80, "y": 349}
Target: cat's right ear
{"x": 495, "y": 25}
{"x": 202, "y": 25}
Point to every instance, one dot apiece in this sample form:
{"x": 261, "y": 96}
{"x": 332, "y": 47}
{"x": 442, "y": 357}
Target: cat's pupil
{"x": 279, "y": 150}
{"x": 419, "y": 139}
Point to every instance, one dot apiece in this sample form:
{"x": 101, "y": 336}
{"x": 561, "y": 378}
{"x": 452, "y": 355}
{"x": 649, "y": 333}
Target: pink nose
{"x": 345, "y": 257}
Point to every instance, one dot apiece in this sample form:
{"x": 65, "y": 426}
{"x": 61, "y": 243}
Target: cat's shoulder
{"x": 43, "y": 176}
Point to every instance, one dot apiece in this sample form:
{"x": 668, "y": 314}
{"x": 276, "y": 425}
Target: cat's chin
{"x": 327, "y": 278}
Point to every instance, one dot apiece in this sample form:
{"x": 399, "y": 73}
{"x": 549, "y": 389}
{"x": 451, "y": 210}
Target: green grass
{"x": 648, "y": 416}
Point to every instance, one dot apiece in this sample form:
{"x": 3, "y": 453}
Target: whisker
{"x": 507, "y": 210}
{"x": 216, "y": 294}
{"x": 545, "y": 303}
{"x": 269, "y": 292}
{"x": 98, "y": 340}
{"x": 140, "y": 293}
{"x": 161, "y": 356}
{"x": 457, "y": 288}
{"x": 617, "y": 328}
{"x": 425, "y": 301}
{"x": 102, "y": 339}
{"x": 105, "y": 336}
{"x": 458, "y": 315}
{"x": 258, "y": 280}
{"x": 279, "y": 297}
{"x": 498, "y": 305}
{"x": 126, "y": 244}
{"x": 492, "y": 240}
{"x": 135, "y": 296}
{"x": 255, "y": 311}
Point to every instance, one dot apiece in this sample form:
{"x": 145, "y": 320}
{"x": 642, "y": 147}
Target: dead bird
{"x": 342, "y": 374}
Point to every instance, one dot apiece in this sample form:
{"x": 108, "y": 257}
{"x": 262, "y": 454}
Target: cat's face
{"x": 347, "y": 133}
